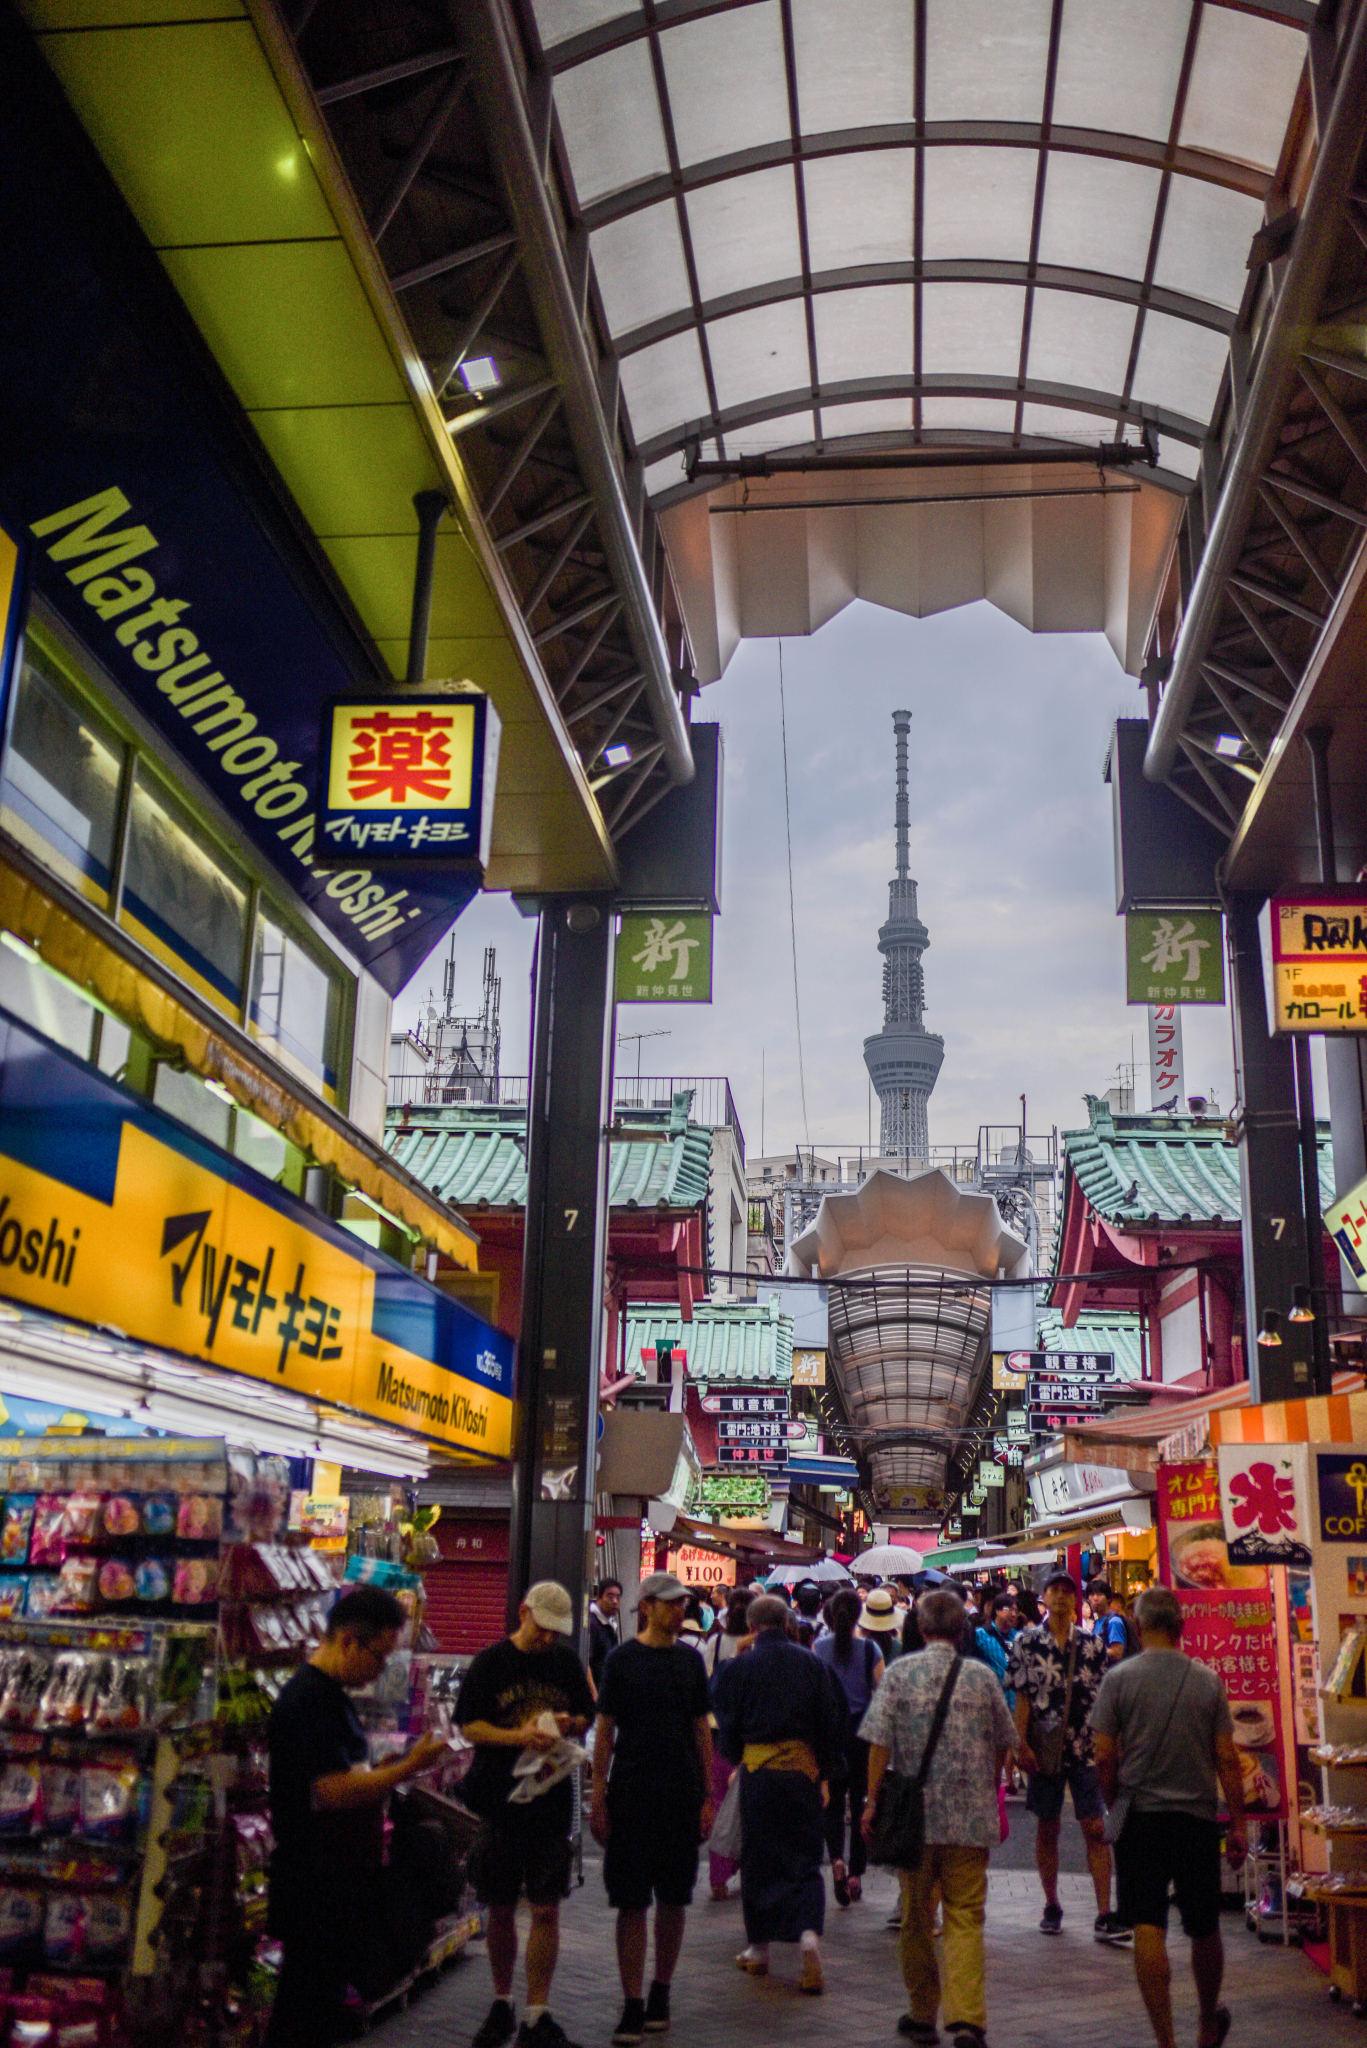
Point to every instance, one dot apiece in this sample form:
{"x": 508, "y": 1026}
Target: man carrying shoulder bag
{"x": 959, "y": 1800}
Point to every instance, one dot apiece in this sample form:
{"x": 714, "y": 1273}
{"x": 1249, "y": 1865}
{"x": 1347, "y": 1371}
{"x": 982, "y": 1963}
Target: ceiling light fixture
{"x": 1271, "y": 1331}
{"x": 1302, "y": 1310}
{"x": 480, "y": 374}
{"x": 618, "y": 756}
{"x": 1229, "y": 745}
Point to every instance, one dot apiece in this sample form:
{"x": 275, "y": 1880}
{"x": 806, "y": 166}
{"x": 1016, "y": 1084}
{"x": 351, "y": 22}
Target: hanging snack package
{"x": 13, "y": 1593}
{"x": 47, "y": 1544}
{"x": 82, "y": 1517}
{"x": 121, "y": 1699}
{"x": 21, "y": 1797}
{"x": 117, "y": 1580}
{"x": 44, "y": 1592}
{"x": 16, "y": 1527}
{"x": 109, "y": 1800}
{"x": 61, "y": 1797}
{"x": 25, "y": 1680}
{"x": 21, "y": 1921}
{"x": 159, "y": 1515}
{"x": 200, "y": 1516}
{"x": 121, "y": 1517}
{"x": 64, "y": 1928}
{"x": 68, "y": 1692}
{"x": 78, "y": 1585}
{"x": 196, "y": 1581}
{"x": 151, "y": 1580}
{"x": 108, "y": 1921}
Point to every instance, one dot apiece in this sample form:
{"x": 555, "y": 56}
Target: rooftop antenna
{"x": 625, "y": 1038}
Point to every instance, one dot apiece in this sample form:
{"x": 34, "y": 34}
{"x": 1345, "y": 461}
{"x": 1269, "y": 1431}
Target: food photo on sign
{"x": 1229, "y": 1623}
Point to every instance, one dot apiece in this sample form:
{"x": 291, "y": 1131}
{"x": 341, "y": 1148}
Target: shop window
{"x": 256, "y": 1144}
{"x": 44, "y": 1001}
{"x": 60, "y": 794}
{"x": 182, "y": 898}
{"x": 296, "y": 1005}
{"x": 185, "y": 1097}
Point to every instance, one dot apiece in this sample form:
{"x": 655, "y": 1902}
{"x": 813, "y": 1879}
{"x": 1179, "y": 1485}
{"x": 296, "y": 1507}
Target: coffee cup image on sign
{"x": 1262, "y": 1779}
{"x": 1254, "y": 1727}
{"x": 1200, "y": 1561}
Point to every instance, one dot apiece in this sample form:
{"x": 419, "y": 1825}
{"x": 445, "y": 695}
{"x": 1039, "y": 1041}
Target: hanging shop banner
{"x": 809, "y": 1368}
{"x": 1264, "y": 1490}
{"x": 1167, "y": 1087}
{"x": 991, "y": 1474}
{"x": 664, "y": 959}
{"x": 145, "y": 1226}
{"x": 1228, "y": 1623}
{"x": 408, "y": 778}
{"x": 1342, "y": 1477}
{"x": 909, "y": 1498}
{"x": 705, "y": 1569}
{"x": 1346, "y": 1222}
{"x": 1174, "y": 956}
{"x": 1318, "y": 961}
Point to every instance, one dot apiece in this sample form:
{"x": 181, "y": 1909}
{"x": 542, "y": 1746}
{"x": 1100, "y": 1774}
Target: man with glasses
{"x": 325, "y": 1816}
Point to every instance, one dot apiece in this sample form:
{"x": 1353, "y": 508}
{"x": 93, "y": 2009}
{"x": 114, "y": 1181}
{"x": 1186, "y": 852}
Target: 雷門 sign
{"x": 408, "y": 778}
{"x": 1319, "y": 961}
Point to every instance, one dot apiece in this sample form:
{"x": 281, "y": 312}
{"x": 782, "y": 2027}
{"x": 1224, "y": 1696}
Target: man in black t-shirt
{"x": 504, "y": 1694}
{"x": 653, "y": 1728}
{"x": 325, "y": 1815}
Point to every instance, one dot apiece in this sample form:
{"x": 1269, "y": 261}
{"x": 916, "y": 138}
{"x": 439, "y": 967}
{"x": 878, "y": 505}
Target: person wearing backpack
{"x": 1110, "y": 1623}
{"x": 857, "y": 1662}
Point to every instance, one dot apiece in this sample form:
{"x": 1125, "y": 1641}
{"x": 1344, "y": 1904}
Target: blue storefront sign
{"x": 156, "y": 537}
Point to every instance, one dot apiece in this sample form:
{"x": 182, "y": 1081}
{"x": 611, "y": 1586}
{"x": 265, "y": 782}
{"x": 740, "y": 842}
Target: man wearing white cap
{"x": 523, "y": 1693}
{"x": 655, "y": 1810}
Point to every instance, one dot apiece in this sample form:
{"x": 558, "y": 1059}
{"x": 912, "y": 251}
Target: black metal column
{"x": 1270, "y": 1170}
{"x": 569, "y": 1099}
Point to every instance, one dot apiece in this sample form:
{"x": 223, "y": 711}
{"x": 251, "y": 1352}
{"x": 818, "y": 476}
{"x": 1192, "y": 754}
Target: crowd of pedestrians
{"x": 785, "y": 1730}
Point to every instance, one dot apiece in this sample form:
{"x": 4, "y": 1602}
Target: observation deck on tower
{"x": 903, "y": 1058}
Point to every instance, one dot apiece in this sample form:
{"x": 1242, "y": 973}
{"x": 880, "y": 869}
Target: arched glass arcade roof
{"x": 993, "y": 222}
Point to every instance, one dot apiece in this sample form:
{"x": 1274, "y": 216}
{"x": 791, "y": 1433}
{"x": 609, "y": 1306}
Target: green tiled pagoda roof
{"x": 1164, "y": 1169}
{"x": 475, "y": 1157}
{"x": 1117, "y": 1332}
{"x": 740, "y": 1343}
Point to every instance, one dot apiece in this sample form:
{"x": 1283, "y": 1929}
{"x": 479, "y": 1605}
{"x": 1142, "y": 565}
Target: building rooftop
{"x": 475, "y": 1157}
{"x": 1154, "y": 1170}
{"x": 738, "y": 1343}
{"x": 1117, "y": 1332}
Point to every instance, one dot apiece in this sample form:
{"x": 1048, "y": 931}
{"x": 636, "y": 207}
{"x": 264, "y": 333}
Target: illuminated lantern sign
{"x": 408, "y": 778}
{"x": 1319, "y": 961}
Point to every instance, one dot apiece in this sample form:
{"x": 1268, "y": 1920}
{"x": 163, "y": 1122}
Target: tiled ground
{"x": 1040, "y": 1992}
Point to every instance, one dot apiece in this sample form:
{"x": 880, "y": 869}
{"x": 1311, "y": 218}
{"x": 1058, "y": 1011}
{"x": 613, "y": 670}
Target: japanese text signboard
{"x": 1228, "y": 1623}
{"x": 753, "y": 1454}
{"x": 1012, "y": 1369}
{"x": 1318, "y": 962}
{"x": 1167, "y": 1088}
{"x": 735, "y": 1429}
{"x": 1346, "y": 1222}
{"x": 1342, "y": 1479}
{"x": 409, "y": 778}
{"x": 1263, "y": 1488}
{"x": 664, "y": 959}
{"x": 1174, "y": 956}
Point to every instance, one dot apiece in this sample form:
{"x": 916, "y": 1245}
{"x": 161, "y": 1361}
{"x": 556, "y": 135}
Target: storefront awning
{"x": 1338, "y": 1418}
{"x": 1183, "y": 1429}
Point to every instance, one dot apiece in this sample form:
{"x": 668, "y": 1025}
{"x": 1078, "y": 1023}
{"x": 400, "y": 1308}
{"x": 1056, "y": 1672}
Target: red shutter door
{"x": 467, "y": 1605}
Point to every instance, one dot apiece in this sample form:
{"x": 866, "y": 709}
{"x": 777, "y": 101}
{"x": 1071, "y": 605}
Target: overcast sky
{"x": 1010, "y": 846}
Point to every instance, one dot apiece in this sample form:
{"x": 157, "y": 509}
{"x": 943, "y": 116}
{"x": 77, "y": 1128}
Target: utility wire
{"x": 792, "y": 910}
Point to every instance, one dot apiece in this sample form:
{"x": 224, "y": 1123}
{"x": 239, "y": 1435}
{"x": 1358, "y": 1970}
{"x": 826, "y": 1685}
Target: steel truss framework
{"x": 823, "y": 397}
{"x": 400, "y": 96}
{"x": 1258, "y": 595}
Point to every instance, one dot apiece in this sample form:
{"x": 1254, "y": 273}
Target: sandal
{"x": 840, "y": 1882}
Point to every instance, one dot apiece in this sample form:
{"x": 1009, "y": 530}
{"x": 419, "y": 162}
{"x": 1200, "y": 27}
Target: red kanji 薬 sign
{"x": 407, "y": 777}
{"x": 398, "y": 757}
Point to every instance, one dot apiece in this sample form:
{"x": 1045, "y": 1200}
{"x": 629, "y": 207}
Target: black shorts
{"x": 1156, "y": 1850}
{"x": 503, "y": 1864}
{"x": 651, "y": 1854}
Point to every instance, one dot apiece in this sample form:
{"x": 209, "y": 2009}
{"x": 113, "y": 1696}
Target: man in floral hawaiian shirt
{"x": 1037, "y": 1672}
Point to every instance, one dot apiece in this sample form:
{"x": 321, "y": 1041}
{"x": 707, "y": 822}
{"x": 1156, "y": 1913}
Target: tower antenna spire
{"x": 903, "y": 1058}
{"x": 901, "y": 725}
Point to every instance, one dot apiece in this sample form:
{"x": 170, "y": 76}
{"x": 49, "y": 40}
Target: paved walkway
{"x": 1041, "y": 1992}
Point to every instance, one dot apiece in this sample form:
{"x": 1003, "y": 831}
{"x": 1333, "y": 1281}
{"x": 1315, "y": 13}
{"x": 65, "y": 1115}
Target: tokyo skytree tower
{"x": 903, "y": 1059}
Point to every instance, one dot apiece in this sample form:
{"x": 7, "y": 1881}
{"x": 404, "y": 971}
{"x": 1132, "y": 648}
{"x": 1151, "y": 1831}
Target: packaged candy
{"x": 159, "y": 1515}
{"x": 151, "y": 1580}
{"x": 46, "y": 1544}
{"x": 15, "y": 1528}
{"x": 21, "y": 1802}
{"x": 78, "y": 1587}
{"x": 121, "y": 1516}
{"x": 68, "y": 1696}
{"x": 21, "y": 1921}
{"x": 196, "y": 1581}
{"x": 26, "y": 1673}
{"x": 64, "y": 1928}
{"x": 108, "y": 1920}
{"x": 42, "y": 1598}
{"x": 121, "y": 1696}
{"x": 82, "y": 1517}
{"x": 109, "y": 1801}
{"x": 117, "y": 1580}
{"x": 13, "y": 1593}
{"x": 61, "y": 1798}
{"x": 201, "y": 1517}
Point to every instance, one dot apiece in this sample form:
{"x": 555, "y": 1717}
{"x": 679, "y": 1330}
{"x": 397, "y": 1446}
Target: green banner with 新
{"x": 1174, "y": 956}
{"x": 664, "y": 958}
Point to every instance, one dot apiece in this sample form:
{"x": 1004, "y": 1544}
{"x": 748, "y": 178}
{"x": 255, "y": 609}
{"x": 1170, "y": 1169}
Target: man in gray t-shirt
{"x": 1164, "y": 1753}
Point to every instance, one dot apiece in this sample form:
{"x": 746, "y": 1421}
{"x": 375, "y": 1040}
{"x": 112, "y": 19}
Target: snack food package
{"x": 13, "y": 1594}
{"x": 21, "y": 1797}
{"x": 42, "y": 1596}
{"x": 117, "y": 1580}
{"x": 109, "y": 1801}
{"x": 15, "y": 1528}
{"x": 46, "y": 1543}
{"x": 159, "y": 1515}
{"x": 64, "y": 1928}
{"x": 82, "y": 1517}
{"x": 200, "y": 1516}
{"x": 152, "y": 1580}
{"x": 21, "y": 1921}
{"x": 121, "y": 1700}
{"x": 121, "y": 1517}
{"x": 69, "y": 1693}
{"x": 61, "y": 1798}
{"x": 196, "y": 1581}
{"x": 78, "y": 1585}
{"x": 108, "y": 1920}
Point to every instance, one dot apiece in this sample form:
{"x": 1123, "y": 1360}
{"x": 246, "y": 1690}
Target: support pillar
{"x": 1274, "y": 1237}
{"x": 1343, "y": 1057}
{"x": 569, "y": 1099}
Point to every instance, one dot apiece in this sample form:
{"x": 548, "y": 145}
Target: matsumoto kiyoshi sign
{"x": 664, "y": 959}
{"x": 1174, "y": 956}
{"x": 409, "y": 778}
